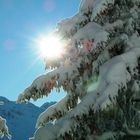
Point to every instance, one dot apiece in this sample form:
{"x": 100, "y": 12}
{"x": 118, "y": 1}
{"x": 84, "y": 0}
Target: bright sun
{"x": 50, "y": 46}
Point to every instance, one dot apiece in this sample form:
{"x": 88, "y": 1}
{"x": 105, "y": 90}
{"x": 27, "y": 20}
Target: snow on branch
{"x": 45, "y": 83}
{"x": 40, "y": 87}
{"x": 113, "y": 77}
{"x": 69, "y": 26}
{"x": 109, "y": 49}
{"x": 60, "y": 76}
{"x": 91, "y": 31}
{"x": 96, "y": 5}
{"x": 55, "y": 111}
{"x": 100, "y": 6}
{"x": 4, "y": 129}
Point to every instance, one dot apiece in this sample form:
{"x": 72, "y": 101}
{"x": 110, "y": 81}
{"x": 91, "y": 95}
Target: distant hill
{"x": 46, "y": 105}
{"x": 21, "y": 118}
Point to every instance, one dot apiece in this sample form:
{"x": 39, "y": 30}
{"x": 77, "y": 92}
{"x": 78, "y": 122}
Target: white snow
{"x": 85, "y": 4}
{"x": 91, "y": 31}
{"x": 44, "y": 133}
{"x": 100, "y": 5}
{"x": 69, "y": 25}
{"x": 113, "y": 71}
{"x": 50, "y": 113}
{"x": 4, "y": 129}
{"x": 110, "y": 26}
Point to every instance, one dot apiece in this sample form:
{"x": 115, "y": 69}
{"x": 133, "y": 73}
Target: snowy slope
{"x": 21, "y": 118}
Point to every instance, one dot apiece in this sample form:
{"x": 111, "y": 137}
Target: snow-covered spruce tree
{"x": 4, "y": 129}
{"x": 100, "y": 73}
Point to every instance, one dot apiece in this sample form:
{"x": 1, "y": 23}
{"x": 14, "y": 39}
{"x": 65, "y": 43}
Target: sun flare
{"x": 50, "y": 47}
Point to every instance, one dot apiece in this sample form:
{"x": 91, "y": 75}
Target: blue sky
{"x": 21, "y": 21}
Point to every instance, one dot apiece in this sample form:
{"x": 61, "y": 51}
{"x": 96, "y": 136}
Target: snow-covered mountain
{"x": 21, "y": 118}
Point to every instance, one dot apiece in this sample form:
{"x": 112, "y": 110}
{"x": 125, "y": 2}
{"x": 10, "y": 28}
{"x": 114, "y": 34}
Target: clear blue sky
{"x": 20, "y": 22}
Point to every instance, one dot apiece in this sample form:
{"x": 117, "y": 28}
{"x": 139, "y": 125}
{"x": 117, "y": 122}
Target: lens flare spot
{"x": 50, "y": 47}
